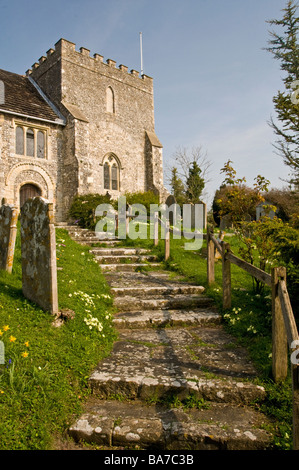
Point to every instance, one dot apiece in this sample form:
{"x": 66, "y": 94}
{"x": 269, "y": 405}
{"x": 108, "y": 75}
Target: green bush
{"x": 145, "y": 198}
{"x": 272, "y": 242}
{"x": 83, "y": 207}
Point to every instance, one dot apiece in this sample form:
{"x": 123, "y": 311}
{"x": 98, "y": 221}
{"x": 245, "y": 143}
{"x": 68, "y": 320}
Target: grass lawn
{"x": 43, "y": 382}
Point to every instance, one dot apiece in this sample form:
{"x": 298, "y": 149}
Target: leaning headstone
{"x": 8, "y": 232}
{"x": 38, "y": 247}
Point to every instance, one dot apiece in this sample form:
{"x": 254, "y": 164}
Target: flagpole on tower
{"x": 141, "y": 53}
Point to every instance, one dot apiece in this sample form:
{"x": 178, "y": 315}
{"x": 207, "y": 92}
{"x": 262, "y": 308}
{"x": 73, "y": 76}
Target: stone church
{"x": 75, "y": 124}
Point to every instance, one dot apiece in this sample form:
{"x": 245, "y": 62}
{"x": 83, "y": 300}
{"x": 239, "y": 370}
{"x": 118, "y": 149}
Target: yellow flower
{"x": 6, "y": 327}
{"x": 12, "y": 339}
{"x": 1, "y": 391}
{"x": 27, "y": 344}
{"x": 1, "y": 333}
{"x": 24, "y": 354}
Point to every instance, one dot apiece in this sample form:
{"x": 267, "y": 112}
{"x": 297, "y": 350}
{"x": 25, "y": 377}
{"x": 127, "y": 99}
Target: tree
{"x": 194, "y": 184}
{"x": 235, "y": 198}
{"x": 284, "y": 47}
{"x": 178, "y": 188}
{"x": 190, "y": 170}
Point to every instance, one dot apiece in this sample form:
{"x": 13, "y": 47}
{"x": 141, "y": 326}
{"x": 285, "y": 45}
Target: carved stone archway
{"x": 27, "y": 173}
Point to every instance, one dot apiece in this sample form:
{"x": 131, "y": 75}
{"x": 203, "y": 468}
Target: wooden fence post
{"x": 167, "y": 240}
{"x": 279, "y": 337}
{"x": 295, "y": 386}
{"x": 210, "y": 257}
{"x": 226, "y": 276}
{"x": 156, "y": 229}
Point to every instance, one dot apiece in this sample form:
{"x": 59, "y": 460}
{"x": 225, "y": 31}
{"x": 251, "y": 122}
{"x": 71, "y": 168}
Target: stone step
{"x": 146, "y": 290}
{"x": 120, "y": 259}
{"x": 123, "y": 267}
{"x": 81, "y": 232}
{"x": 99, "y": 251}
{"x": 158, "y": 363}
{"x": 127, "y": 424}
{"x": 162, "y": 318}
{"x": 96, "y": 241}
{"x": 131, "y": 304}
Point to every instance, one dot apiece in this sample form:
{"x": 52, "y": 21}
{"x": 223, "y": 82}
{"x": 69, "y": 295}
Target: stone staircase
{"x": 172, "y": 351}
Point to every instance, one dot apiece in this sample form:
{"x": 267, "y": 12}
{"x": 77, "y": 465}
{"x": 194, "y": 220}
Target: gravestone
{"x": 226, "y": 222}
{"x": 8, "y": 232}
{"x": 170, "y": 201}
{"x": 38, "y": 247}
{"x": 264, "y": 209}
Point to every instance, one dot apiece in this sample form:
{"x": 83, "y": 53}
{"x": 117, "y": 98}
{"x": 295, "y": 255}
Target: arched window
{"x": 110, "y": 105}
{"x": 106, "y": 176}
{"x": 20, "y": 140}
{"x": 30, "y": 143}
{"x": 111, "y": 173}
{"x": 114, "y": 177}
{"x": 2, "y": 92}
{"x": 40, "y": 151}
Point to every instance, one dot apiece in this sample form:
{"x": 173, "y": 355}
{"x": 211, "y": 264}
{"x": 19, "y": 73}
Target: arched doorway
{"x": 28, "y": 191}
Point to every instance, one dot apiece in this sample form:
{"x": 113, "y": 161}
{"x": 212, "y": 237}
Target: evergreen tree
{"x": 177, "y": 186}
{"x": 194, "y": 184}
{"x": 284, "y": 47}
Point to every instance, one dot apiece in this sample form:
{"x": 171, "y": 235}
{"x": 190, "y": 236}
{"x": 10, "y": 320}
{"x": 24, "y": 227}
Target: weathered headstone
{"x": 171, "y": 204}
{"x": 226, "y": 222}
{"x": 8, "y": 232}
{"x": 265, "y": 208}
{"x": 38, "y": 246}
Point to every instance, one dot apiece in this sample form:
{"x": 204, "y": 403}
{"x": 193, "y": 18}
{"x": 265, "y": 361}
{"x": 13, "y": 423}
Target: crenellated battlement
{"x": 67, "y": 49}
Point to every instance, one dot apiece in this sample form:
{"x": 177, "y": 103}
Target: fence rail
{"x": 285, "y": 338}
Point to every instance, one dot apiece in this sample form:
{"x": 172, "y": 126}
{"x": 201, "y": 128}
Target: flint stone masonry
{"x": 8, "y": 231}
{"x": 38, "y": 246}
{"x": 90, "y": 112}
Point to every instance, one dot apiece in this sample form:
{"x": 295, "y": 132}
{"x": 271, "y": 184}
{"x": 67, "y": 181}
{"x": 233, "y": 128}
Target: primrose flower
{"x": 93, "y": 322}
{"x": 12, "y": 339}
{"x": 24, "y": 354}
{"x": 26, "y": 343}
{"x": 6, "y": 327}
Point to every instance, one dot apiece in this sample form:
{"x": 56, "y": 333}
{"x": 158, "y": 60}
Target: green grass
{"x": 42, "y": 390}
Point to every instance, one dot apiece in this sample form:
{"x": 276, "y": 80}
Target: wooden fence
{"x": 285, "y": 338}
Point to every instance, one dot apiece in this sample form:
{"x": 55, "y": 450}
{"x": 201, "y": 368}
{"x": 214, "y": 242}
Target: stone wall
{"x": 100, "y": 129}
{"x": 17, "y": 170}
{"x": 108, "y": 111}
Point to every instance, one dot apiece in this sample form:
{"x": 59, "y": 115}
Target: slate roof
{"x": 21, "y": 97}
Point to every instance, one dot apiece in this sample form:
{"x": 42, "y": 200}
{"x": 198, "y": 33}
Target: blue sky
{"x": 213, "y": 82}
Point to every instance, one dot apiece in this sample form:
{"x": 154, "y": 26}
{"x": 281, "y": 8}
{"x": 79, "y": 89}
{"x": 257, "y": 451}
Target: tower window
{"x": 110, "y": 104}
{"x": 106, "y": 176}
{"x": 114, "y": 177}
{"x": 111, "y": 173}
